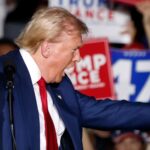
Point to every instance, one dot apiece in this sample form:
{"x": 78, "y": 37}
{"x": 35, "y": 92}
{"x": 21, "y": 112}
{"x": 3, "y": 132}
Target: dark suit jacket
{"x": 75, "y": 109}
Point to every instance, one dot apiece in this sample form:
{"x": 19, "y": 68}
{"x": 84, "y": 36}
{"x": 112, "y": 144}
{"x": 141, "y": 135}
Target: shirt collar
{"x": 33, "y": 68}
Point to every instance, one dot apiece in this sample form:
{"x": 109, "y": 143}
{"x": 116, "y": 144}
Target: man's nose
{"x": 77, "y": 56}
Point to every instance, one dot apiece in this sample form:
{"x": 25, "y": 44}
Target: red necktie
{"x": 51, "y": 140}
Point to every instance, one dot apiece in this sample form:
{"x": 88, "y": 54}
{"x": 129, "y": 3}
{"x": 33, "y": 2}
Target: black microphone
{"x": 9, "y": 70}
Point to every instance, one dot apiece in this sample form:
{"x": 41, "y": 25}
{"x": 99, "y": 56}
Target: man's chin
{"x": 58, "y": 80}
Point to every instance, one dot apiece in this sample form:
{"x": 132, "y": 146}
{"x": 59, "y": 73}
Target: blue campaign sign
{"x": 131, "y": 71}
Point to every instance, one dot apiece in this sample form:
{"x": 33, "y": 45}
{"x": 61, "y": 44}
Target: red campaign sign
{"x": 93, "y": 74}
{"x": 130, "y": 2}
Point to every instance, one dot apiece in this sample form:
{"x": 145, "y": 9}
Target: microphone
{"x": 9, "y": 70}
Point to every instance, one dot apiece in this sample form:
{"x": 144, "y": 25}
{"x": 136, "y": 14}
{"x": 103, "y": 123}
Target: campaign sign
{"x": 102, "y": 21}
{"x": 92, "y": 75}
{"x": 130, "y": 2}
{"x": 131, "y": 70}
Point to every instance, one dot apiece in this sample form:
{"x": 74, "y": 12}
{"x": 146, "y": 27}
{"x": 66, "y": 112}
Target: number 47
{"x": 122, "y": 71}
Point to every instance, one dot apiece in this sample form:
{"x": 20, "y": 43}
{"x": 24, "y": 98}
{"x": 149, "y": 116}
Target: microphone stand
{"x": 10, "y": 86}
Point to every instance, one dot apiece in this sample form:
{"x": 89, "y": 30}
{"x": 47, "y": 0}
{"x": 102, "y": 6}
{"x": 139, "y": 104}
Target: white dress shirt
{"x": 35, "y": 77}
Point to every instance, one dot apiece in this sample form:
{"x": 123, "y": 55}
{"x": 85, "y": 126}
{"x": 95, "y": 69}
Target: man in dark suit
{"x": 52, "y": 117}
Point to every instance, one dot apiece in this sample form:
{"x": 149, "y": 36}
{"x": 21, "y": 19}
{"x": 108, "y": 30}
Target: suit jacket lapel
{"x": 26, "y": 97}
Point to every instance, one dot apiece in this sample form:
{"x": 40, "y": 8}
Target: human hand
{"x": 144, "y": 8}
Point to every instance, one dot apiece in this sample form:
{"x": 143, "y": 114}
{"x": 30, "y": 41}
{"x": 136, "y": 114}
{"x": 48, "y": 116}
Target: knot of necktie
{"x": 41, "y": 82}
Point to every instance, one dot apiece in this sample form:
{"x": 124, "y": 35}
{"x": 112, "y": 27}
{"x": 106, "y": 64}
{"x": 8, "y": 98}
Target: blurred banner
{"x": 131, "y": 70}
{"x": 102, "y": 21}
{"x": 93, "y": 74}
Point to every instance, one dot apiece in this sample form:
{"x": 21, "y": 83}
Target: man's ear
{"x": 45, "y": 49}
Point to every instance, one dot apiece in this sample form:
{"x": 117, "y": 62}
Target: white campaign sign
{"x": 101, "y": 21}
{"x": 122, "y": 70}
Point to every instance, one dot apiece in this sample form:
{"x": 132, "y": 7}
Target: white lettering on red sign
{"x": 87, "y": 71}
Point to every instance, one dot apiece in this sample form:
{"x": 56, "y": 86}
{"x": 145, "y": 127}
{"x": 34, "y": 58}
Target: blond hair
{"x": 48, "y": 24}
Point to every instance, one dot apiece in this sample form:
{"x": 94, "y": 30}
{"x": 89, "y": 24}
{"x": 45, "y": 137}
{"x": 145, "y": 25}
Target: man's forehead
{"x": 70, "y": 35}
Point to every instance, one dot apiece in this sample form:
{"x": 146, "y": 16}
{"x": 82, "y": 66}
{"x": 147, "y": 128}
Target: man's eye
{"x": 74, "y": 50}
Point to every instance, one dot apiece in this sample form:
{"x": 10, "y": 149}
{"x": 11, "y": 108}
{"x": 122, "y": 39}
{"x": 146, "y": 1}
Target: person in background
{"x": 87, "y": 143}
{"x": 5, "y": 7}
{"x": 135, "y": 28}
{"x": 128, "y": 140}
{"x": 17, "y": 18}
{"x": 49, "y": 114}
{"x": 7, "y": 45}
{"x": 2, "y": 17}
{"x": 144, "y": 8}
{"x": 102, "y": 140}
